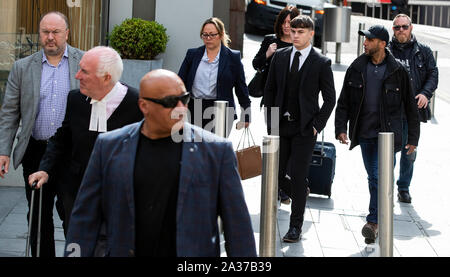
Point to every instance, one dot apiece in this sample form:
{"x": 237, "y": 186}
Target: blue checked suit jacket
{"x": 209, "y": 186}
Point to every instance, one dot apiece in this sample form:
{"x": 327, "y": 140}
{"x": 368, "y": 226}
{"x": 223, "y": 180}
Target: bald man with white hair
{"x": 101, "y": 104}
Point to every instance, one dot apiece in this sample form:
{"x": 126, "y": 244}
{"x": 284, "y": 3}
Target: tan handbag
{"x": 249, "y": 159}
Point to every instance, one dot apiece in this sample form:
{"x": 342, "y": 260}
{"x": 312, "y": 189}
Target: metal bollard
{"x": 220, "y": 129}
{"x": 338, "y": 53}
{"x": 220, "y": 118}
{"x": 433, "y": 98}
{"x": 385, "y": 193}
{"x": 361, "y": 39}
{"x": 269, "y": 196}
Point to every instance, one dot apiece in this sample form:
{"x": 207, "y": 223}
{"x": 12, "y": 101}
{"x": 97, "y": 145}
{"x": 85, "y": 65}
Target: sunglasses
{"x": 404, "y": 27}
{"x": 171, "y": 101}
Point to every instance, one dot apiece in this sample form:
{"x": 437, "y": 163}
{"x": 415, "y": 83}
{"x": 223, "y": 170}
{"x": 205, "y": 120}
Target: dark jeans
{"x": 295, "y": 157}
{"x": 369, "y": 151}
{"x": 30, "y": 164}
{"x": 406, "y": 162}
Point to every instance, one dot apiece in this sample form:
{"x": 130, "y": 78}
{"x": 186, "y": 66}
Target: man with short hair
{"x": 375, "y": 89}
{"x": 158, "y": 192}
{"x": 296, "y": 76}
{"x": 421, "y": 65}
{"x": 101, "y": 104}
{"x": 36, "y": 95}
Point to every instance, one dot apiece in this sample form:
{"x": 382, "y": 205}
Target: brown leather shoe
{"x": 370, "y": 232}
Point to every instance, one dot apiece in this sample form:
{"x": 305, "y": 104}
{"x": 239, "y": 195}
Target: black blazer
{"x": 317, "y": 77}
{"x": 74, "y": 141}
{"x": 230, "y": 74}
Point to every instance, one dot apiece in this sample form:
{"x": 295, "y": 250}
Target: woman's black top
{"x": 260, "y": 62}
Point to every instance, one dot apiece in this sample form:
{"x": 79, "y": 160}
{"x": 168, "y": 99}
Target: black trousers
{"x": 295, "y": 157}
{"x": 204, "y": 119}
{"x": 30, "y": 164}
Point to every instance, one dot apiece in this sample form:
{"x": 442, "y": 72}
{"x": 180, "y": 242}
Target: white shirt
{"x": 304, "y": 54}
{"x": 103, "y": 109}
{"x": 205, "y": 81}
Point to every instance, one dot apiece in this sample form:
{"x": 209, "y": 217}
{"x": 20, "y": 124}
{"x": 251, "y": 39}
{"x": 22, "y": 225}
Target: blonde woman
{"x": 210, "y": 73}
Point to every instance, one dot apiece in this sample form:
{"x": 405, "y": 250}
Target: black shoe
{"x": 284, "y": 198}
{"x": 404, "y": 197}
{"x": 293, "y": 235}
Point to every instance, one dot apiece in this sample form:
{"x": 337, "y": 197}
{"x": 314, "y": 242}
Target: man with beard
{"x": 423, "y": 73}
{"x": 36, "y": 95}
{"x": 376, "y": 87}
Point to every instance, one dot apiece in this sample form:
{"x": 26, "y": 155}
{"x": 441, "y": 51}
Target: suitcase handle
{"x": 323, "y": 143}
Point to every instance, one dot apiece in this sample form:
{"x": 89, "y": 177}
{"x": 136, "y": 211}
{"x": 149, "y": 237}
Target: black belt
{"x": 37, "y": 141}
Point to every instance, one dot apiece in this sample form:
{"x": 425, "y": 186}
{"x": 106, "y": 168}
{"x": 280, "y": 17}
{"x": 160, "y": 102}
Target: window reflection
{"x": 19, "y": 28}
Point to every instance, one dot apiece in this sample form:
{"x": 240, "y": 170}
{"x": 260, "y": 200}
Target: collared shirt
{"x": 55, "y": 86}
{"x": 102, "y": 110}
{"x": 205, "y": 81}
{"x": 304, "y": 54}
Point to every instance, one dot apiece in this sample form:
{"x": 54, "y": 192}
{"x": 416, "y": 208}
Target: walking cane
{"x": 30, "y": 222}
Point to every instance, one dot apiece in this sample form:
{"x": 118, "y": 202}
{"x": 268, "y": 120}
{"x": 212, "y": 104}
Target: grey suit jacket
{"x": 21, "y": 101}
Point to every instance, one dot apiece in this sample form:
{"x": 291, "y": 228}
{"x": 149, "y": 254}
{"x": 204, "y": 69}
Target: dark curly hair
{"x": 288, "y": 10}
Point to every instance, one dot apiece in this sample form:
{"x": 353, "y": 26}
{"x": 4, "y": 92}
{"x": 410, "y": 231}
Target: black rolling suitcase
{"x": 321, "y": 170}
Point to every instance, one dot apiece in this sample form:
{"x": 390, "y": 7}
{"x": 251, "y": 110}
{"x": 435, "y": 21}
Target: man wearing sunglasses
{"x": 421, "y": 65}
{"x": 159, "y": 195}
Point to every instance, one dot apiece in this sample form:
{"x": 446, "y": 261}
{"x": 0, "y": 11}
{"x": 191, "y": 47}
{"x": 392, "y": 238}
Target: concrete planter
{"x": 134, "y": 70}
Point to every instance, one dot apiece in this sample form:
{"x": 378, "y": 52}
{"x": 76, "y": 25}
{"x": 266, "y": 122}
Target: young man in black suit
{"x": 101, "y": 104}
{"x": 296, "y": 76}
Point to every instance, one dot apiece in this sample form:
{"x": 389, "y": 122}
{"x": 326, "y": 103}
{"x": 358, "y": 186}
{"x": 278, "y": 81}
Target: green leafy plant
{"x": 139, "y": 39}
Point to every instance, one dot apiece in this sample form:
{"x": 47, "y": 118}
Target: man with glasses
{"x": 159, "y": 185}
{"x": 376, "y": 88}
{"x": 101, "y": 104}
{"x": 421, "y": 65}
{"x": 36, "y": 95}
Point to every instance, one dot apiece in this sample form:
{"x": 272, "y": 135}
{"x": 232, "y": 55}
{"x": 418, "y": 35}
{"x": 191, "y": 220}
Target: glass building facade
{"x": 19, "y": 28}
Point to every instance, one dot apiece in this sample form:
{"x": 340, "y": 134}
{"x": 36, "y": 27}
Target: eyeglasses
{"x": 207, "y": 36}
{"x": 171, "y": 101}
{"x": 404, "y": 27}
{"x": 54, "y": 33}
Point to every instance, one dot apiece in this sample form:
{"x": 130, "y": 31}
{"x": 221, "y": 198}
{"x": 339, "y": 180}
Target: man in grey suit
{"x": 36, "y": 94}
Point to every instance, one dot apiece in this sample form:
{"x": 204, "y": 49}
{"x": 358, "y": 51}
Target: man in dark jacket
{"x": 101, "y": 104}
{"x": 375, "y": 88}
{"x": 420, "y": 63}
{"x": 297, "y": 75}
